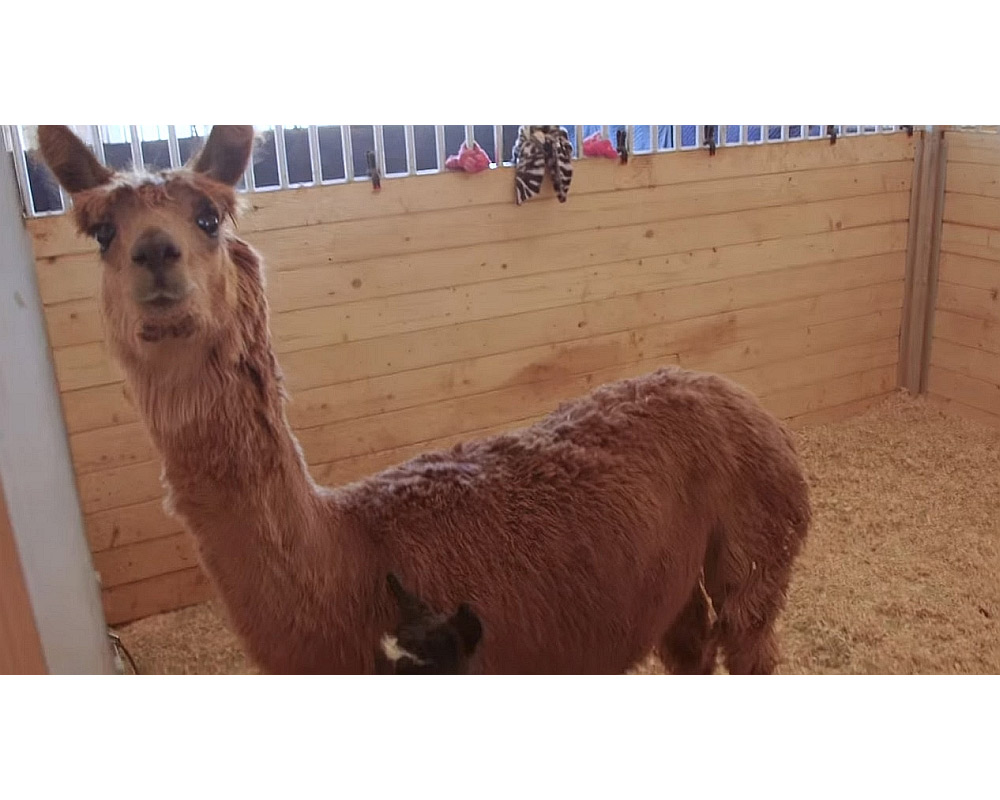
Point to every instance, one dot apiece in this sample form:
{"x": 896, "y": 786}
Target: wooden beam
{"x": 20, "y": 645}
{"x": 923, "y": 248}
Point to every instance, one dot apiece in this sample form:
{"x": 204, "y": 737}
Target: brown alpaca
{"x": 426, "y": 642}
{"x": 579, "y": 540}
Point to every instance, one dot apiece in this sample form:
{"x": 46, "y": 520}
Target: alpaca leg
{"x": 689, "y": 646}
{"x": 747, "y": 612}
{"x": 747, "y": 579}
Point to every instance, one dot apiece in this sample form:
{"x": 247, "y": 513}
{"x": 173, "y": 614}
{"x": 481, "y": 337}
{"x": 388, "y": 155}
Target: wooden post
{"x": 20, "y": 645}
{"x": 922, "y": 252}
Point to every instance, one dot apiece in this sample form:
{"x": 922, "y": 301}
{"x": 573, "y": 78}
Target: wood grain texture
{"x": 20, "y": 645}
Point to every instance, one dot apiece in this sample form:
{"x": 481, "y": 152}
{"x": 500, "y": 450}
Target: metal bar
{"x": 345, "y": 141}
{"x": 172, "y": 147}
{"x": 498, "y": 144}
{"x": 282, "y": 156}
{"x": 249, "y": 180}
{"x": 314, "y": 158}
{"x": 98, "y": 142}
{"x": 136, "y": 144}
{"x": 470, "y": 135}
{"x": 630, "y": 138}
{"x": 380, "y": 150}
{"x": 579, "y": 141}
{"x": 21, "y": 168}
{"x": 411, "y": 150}
{"x": 8, "y": 141}
{"x": 654, "y": 138}
{"x": 604, "y": 131}
{"x": 439, "y": 141}
{"x": 677, "y": 137}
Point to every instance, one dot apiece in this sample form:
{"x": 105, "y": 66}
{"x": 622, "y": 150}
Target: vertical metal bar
{"x": 411, "y": 150}
{"x": 380, "y": 150}
{"x": 654, "y": 138}
{"x": 345, "y": 141}
{"x": 604, "y": 131}
{"x": 172, "y": 147}
{"x": 279, "y": 150}
{"x": 579, "y": 141}
{"x": 21, "y": 168}
{"x": 98, "y": 142}
{"x": 470, "y": 135}
{"x": 677, "y": 137}
{"x": 498, "y": 144}
{"x": 439, "y": 141}
{"x": 136, "y": 144}
{"x": 630, "y": 138}
{"x": 314, "y": 157}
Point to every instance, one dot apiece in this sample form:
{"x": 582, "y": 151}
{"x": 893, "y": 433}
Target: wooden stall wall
{"x": 438, "y": 310}
{"x": 964, "y": 372}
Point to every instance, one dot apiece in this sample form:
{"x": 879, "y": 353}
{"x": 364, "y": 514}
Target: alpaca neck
{"x": 236, "y": 476}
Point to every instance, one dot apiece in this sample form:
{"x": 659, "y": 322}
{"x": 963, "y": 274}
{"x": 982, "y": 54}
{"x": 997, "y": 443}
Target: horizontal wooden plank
{"x": 379, "y": 394}
{"x": 54, "y": 236}
{"x": 397, "y": 429}
{"x": 969, "y": 361}
{"x": 368, "y": 277}
{"x": 972, "y": 392}
{"x": 368, "y": 360}
{"x": 970, "y": 209}
{"x": 127, "y": 525}
{"x": 982, "y": 140}
{"x": 973, "y": 179}
{"x": 142, "y": 560}
{"x": 78, "y": 322}
{"x": 647, "y": 271}
{"x": 807, "y": 400}
{"x": 982, "y": 334}
{"x": 966, "y": 240}
{"x": 969, "y": 301}
{"x": 127, "y": 444}
{"x": 803, "y": 371}
{"x": 123, "y": 486}
{"x": 967, "y": 271}
{"x": 136, "y": 483}
{"x": 97, "y": 407}
{"x": 80, "y": 366}
{"x": 951, "y": 406}
{"x": 826, "y": 416}
{"x": 167, "y": 592}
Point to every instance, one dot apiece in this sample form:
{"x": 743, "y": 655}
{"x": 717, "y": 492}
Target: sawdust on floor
{"x": 901, "y": 573}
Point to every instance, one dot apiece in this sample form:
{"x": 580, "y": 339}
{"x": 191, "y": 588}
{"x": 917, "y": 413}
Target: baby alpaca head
{"x": 427, "y": 642}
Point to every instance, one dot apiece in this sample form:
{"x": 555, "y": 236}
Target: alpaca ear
{"x": 70, "y": 160}
{"x": 470, "y": 629}
{"x": 226, "y": 153}
{"x": 410, "y": 606}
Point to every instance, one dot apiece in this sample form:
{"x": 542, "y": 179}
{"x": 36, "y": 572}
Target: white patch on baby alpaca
{"x": 392, "y": 650}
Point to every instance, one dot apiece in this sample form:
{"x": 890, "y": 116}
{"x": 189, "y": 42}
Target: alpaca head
{"x": 169, "y": 287}
{"x": 427, "y": 642}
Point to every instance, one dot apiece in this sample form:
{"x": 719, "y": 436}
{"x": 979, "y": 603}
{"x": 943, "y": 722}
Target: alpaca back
{"x": 579, "y": 539}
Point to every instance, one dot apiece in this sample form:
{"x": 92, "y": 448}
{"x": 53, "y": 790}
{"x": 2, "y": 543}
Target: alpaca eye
{"x": 104, "y": 234}
{"x": 208, "y": 221}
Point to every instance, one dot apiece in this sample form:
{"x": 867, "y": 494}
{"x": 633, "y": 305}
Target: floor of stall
{"x": 901, "y": 573}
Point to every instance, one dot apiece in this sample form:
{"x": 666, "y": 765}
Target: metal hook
{"x": 373, "y": 171}
{"x": 710, "y": 138}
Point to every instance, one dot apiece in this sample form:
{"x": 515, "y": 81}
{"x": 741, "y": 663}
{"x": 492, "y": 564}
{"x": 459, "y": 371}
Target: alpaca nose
{"x": 155, "y": 251}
